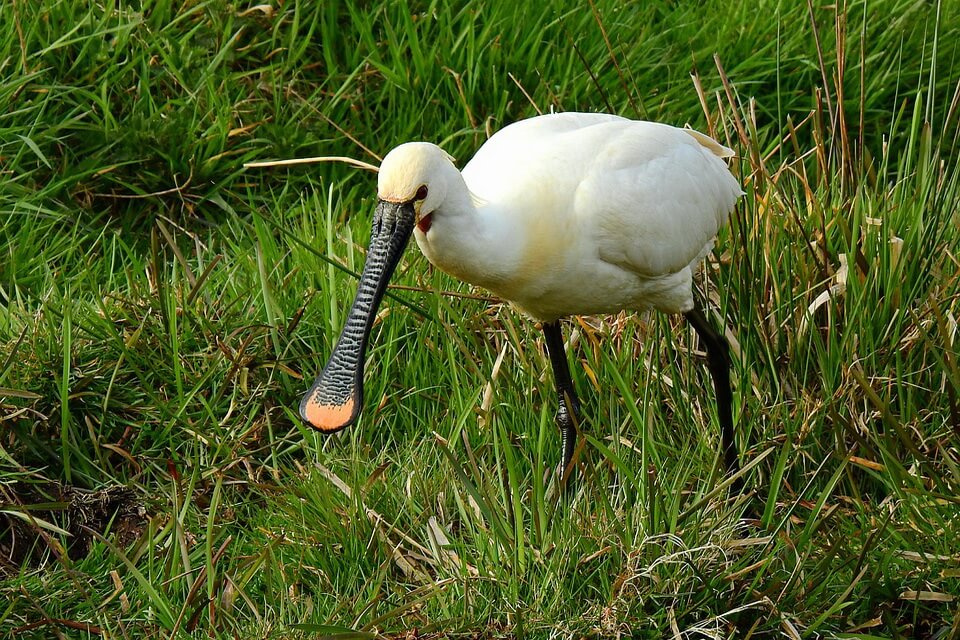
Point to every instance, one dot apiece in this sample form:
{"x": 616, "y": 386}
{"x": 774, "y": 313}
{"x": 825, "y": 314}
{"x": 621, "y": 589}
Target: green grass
{"x": 163, "y": 308}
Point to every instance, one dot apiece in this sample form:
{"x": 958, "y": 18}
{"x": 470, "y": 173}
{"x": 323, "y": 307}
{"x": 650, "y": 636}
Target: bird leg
{"x": 718, "y": 360}
{"x": 568, "y": 412}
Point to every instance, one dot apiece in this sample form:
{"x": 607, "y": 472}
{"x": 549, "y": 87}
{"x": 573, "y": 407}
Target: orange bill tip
{"x": 327, "y": 417}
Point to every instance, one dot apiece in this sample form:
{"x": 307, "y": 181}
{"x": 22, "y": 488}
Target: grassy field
{"x": 163, "y": 309}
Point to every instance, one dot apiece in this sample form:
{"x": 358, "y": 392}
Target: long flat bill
{"x": 335, "y": 399}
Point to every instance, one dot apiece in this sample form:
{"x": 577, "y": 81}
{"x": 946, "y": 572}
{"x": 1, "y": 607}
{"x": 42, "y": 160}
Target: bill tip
{"x": 327, "y": 417}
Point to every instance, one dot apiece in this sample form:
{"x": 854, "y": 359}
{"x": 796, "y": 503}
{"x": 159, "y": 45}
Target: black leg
{"x": 718, "y": 359}
{"x": 568, "y": 413}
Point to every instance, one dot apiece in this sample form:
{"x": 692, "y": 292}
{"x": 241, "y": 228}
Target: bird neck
{"x": 470, "y": 239}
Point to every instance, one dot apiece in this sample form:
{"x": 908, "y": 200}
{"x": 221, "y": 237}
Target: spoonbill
{"x": 561, "y": 214}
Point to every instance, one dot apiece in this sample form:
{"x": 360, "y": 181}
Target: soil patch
{"x": 28, "y": 509}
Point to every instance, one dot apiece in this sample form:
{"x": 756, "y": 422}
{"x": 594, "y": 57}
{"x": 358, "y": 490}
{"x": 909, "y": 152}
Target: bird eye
{"x": 421, "y": 192}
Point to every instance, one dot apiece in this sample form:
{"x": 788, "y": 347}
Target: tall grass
{"x": 163, "y": 308}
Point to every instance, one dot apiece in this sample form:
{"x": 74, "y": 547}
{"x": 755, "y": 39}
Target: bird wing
{"x": 655, "y": 197}
{"x": 533, "y": 168}
{"x": 649, "y": 196}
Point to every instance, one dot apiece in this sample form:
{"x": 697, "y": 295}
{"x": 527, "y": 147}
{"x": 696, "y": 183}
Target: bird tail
{"x": 715, "y": 147}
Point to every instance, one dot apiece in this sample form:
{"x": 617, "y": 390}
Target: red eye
{"x": 421, "y": 192}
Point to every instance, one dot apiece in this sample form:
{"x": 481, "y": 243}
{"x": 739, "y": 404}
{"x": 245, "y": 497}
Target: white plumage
{"x": 574, "y": 213}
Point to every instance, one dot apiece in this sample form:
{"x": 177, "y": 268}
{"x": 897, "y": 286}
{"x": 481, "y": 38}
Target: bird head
{"x": 411, "y": 185}
{"x": 415, "y": 173}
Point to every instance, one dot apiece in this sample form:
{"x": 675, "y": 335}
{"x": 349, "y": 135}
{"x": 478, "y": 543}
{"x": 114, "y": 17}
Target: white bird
{"x": 561, "y": 214}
